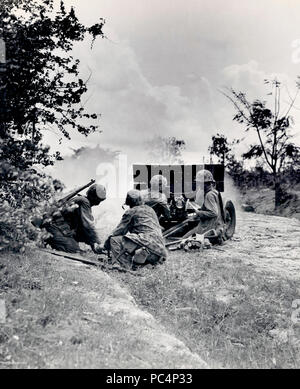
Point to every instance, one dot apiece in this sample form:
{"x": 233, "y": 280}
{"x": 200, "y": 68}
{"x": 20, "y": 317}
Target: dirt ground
{"x": 270, "y": 243}
{"x": 226, "y": 307}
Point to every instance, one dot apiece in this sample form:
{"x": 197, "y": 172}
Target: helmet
{"x": 204, "y": 176}
{"x": 98, "y": 191}
{"x": 158, "y": 181}
{"x": 134, "y": 198}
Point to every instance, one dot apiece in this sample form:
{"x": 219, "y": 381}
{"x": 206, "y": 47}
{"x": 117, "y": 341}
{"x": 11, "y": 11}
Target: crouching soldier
{"x": 211, "y": 214}
{"x": 138, "y": 239}
{"x": 80, "y": 218}
{"x": 75, "y": 223}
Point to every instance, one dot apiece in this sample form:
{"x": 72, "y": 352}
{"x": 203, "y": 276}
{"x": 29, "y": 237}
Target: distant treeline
{"x": 258, "y": 177}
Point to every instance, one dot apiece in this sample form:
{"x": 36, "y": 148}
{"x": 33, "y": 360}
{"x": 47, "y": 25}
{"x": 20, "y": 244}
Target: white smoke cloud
{"x": 134, "y": 110}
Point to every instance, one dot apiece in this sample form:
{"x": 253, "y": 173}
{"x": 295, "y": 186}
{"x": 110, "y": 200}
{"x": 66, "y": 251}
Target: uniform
{"x": 210, "y": 215}
{"x": 139, "y": 228}
{"x": 81, "y": 221}
{"x": 75, "y": 223}
{"x": 157, "y": 201}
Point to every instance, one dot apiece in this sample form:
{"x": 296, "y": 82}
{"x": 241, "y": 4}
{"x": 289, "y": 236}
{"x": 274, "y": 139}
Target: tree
{"x": 222, "y": 148}
{"x": 166, "y": 150}
{"x": 272, "y": 126}
{"x": 41, "y": 79}
{"x": 24, "y": 193}
{"x": 40, "y": 88}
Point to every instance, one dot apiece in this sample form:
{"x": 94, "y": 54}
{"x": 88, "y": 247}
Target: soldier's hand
{"x": 98, "y": 248}
{"x": 107, "y": 244}
{"x": 199, "y": 214}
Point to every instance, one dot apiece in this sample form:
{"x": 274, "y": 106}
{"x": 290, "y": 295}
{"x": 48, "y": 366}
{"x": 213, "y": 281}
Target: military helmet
{"x": 158, "y": 181}
{"x": 98, "y": 191}
{"x": 204, "y": 176}
{"x": 134, "y": 198}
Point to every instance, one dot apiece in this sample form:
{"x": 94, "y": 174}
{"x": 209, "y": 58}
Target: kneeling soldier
{"x": 75, "y": 223}
{"x": 138, "y": 239}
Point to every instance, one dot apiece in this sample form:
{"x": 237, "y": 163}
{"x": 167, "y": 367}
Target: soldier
{"x": 79, "y": 216}
{"x": 155, "y": 197}
{"x": 137, "y": 240}
{"x": 211, "y": 214}
{"x": 75, "y": 223}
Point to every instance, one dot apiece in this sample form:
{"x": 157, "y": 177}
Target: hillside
{"x": 262, "y": 200}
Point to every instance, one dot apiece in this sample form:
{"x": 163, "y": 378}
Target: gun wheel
{"x": 230, "y": 219}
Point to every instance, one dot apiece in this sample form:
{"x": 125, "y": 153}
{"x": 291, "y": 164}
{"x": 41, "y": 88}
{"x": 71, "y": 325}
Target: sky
{"x": 164, "y": 63}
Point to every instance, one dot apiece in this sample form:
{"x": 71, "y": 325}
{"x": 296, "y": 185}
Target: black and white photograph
{"x": 149, "y": 187}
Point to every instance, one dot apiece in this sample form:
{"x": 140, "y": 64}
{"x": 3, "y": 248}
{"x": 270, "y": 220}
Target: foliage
{"x": 220, "y": 147}
{"x": 23, "y": 194}
{"x": 224, "y": 150}
{"x": 24, "y": 154}
{"x": 40, "y": 89}
{"x": 272, "y": 126}
{"x": 43, "y": 90}
{"x": 255, "y": 177}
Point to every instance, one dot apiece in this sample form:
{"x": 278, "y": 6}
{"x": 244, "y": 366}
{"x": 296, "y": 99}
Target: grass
{"x": 52, "y": 315}
{"x": 223, "y": 310}
{"x": 61, "y": 314}
{"x": 229, "y": 314}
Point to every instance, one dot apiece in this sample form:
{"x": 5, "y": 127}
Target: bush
{"x": 24, "y": 194}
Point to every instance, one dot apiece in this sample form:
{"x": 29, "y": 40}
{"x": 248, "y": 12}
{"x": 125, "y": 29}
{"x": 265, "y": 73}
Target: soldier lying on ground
{"x": 75, "y": 223}
{"x": 138, "y": 239}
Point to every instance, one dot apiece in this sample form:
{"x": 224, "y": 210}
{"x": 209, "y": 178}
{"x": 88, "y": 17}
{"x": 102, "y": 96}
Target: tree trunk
{"x": 278, "y": 191}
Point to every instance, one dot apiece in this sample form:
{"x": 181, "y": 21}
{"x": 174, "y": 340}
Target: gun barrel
{"x": 75, "y": 192}
{"x": 59, "y": 204}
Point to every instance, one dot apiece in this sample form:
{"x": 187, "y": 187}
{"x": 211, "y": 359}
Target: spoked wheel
{"x": 230, "y": 219}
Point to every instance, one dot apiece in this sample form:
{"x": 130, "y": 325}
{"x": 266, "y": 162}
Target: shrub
{"x": 24, "y": 194}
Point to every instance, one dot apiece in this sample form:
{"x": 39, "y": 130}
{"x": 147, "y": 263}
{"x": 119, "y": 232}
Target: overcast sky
{"x": 160, "y": 71}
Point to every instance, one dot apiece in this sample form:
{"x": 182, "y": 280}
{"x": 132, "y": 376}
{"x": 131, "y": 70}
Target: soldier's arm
{"x": 165, "y": 207}
{"x": 124, "y": 225}
{"x": 211, "y": 207}
{"x": 160, "y": 205}
{"x": 121, "y": 229}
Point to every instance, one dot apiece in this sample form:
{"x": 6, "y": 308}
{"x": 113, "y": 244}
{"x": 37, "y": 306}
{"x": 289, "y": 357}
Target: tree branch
{"x": 236, "y": 105}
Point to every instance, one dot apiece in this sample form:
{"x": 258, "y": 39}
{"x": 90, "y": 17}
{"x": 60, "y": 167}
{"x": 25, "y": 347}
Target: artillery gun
{"x": 180, "y": 194}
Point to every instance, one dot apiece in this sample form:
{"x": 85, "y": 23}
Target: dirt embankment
{"x": 263, "y": 199}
